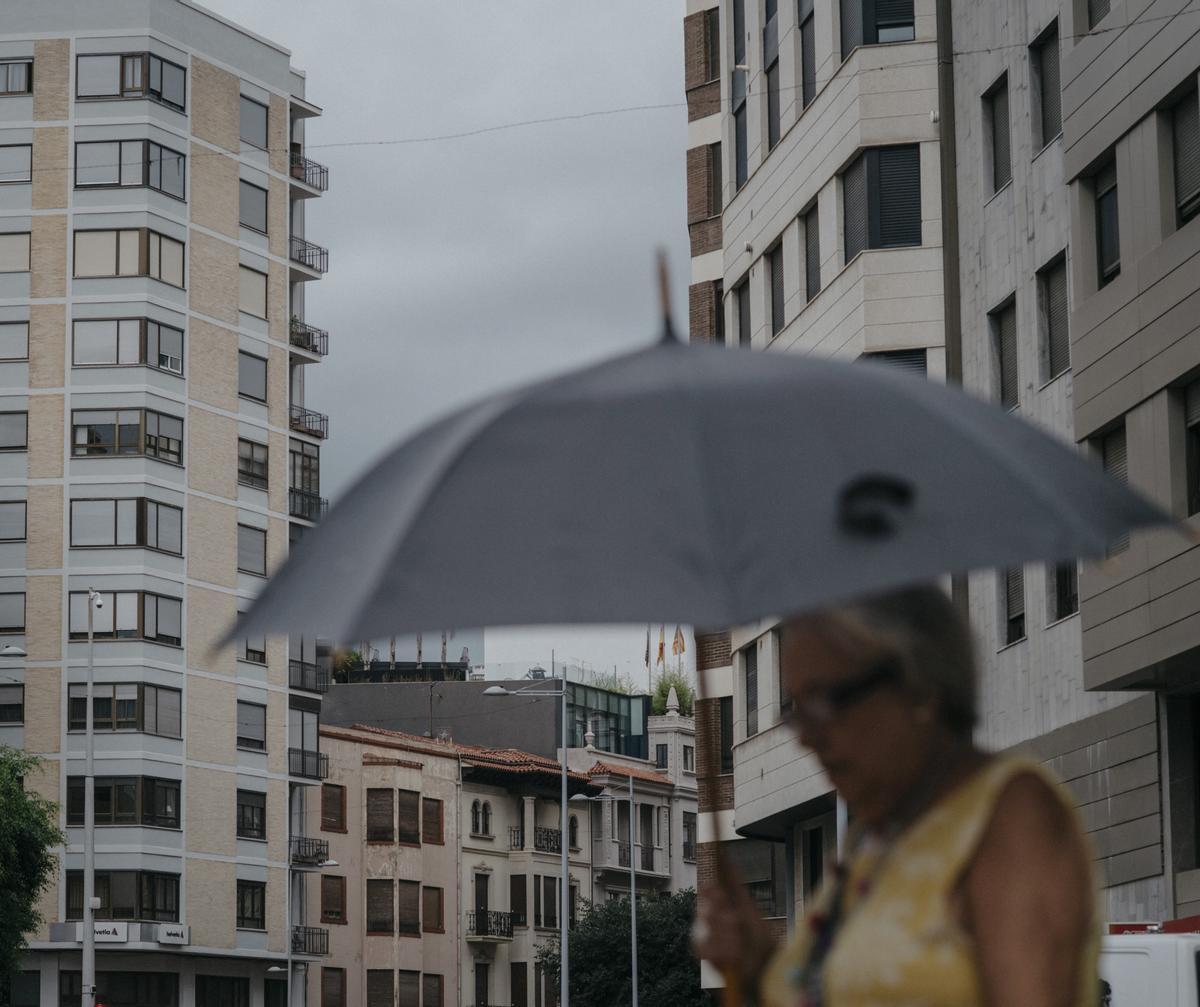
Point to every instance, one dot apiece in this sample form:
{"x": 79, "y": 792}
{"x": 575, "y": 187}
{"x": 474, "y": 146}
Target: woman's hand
{"x": 730, "y": 933}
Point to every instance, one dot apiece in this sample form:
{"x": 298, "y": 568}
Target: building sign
{"x": 105, "y": 933}
{"x": 172, "y": 933}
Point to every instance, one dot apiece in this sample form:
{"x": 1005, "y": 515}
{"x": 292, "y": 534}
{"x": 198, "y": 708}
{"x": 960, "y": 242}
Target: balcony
{"x": 544, "y": 840}
{"x": 489, "y": 926}
{"x": 614, "y": 855}
{"x": 311, "y": 173}
{"x": 308, "y": 337}
{"x": 308, "y": 676}
{"x": 304, "y": 851}
{"x": 308, "y": 506}
{"x": 647, "y": 858}
{"x": 308, "y": 255}
{"x": 309, "y": 421}
{"x": 310, "y": 941}
{"x": 310, "y": 765}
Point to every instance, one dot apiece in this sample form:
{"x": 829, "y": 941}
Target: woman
{"x": 966, "y": 878}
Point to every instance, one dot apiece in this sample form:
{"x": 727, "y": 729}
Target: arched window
{"x": 487, "y": 819}
{"x": 573, "y": 832}
{"x": 475, "y": 818}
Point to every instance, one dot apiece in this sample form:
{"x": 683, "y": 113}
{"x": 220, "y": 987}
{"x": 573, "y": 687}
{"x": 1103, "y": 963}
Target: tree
{"x": 27, "y": 835}
{"x": 668, "y": 972}
{"x": 662, "y": 689}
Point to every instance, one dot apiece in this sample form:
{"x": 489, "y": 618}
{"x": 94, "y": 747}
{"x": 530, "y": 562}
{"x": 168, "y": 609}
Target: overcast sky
{"x": 461, "y": 266}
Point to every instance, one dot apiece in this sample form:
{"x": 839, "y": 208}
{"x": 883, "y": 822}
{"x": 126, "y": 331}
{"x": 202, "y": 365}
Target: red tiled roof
{"x": 609, "y": 769}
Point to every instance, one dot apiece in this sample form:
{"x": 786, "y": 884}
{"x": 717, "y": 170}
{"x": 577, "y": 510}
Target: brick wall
{"x": 701, "y": 64}
{"x": 712, "y": 650}
{"x": 714, "y": 789}
{"x": 705, "y": 236}
{"x": 51, "y": 74}
{"x": 704, "y": 100}
{"x": 704, "y": 304}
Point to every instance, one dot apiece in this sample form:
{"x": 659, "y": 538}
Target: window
{"x": 882, "y": 199}
{"x": 16, "y": 163}
{"x": 408, "y": 989}
{"x": 408, "y": 920}
{"x": 126, "y": 800}
{"x": 108, "y": 432}
{"x": 12, "y": 704}
{"x": 1185, "y": 131}
{"x": 135, "y": 75}
{"x": 16, "y": 77}
{"x": 14, "y": 253}
{"x": 741, "y": 307}
{"x": 333, "y": 808}
{"x": 129, "y": 522}
{"x": 431, "y": 821}
{"x": 166, "y": 259}
{"x": 517, "y": 896}
{"x": 1014, "y": 604}
{"x": 333, "y": 987}
{"x": 1047, "y": 88}
{"x": 689, "y": 758}
{"x": 252, "y": 464}
{"x": 14, "y": 435}
{"x": 252, "y": 207}
{"x": 738, "y": 87}
{"x": 812, "y": 254}
{"x": 252, "y": 292}
{"x": 1004, "y": 352}
{"x": 252, "y": 376}
{"x": 808, "y": 54}
{"x": 750, "y": 671}
{"x": 251, "y": 726}
{"x": 253, "y": 122}
{"x": 550, "y": 890}
{"x": 251, "y": 814}
{"x": 275, "y": 993}
{"x": 12, "y": 612}
{"x": 130, "y": 163}
{"x": 14, "y": 340}
{"x": 126, "y": 706}
{"x": 1108, "y": 238}
{"x": 119, "y": 989}
{"x": 222, "y": 991}
{"x": 12, "y": 520}
{"x": 110, "y": 342}
{"x": 814, "y": 859}
{"x": 661, "y": 758}
{"x": 128, "y": 615}
{"x": 381, "y": 912}
{"x": 129, "y": 252}
{"x": 381, "y": 820}
{"x": 712, "y": 44}
{"x": 333, "y": 899}
{"x": 1097, "y": 11}
{"x": 251, "y": 905}
{"x": 252, "y": 550}
{"x": 775, "y": 269}
{"x": 432, "y": 910}
{"x": 1063, "y": 582}
{"x": 771, "y": 62}
{"x": 1113, "y": 455}
{"x": 907, "y": 360}
{"x": 127, "y": 895}
{"x": 869, "y": 22}
{"x": 408, "y": 807}
{"x": 726, "y": 711}
{"x": 573, "y": 830}
{"x": 432, "y": 994}
{"x": 996, "y": 127}
{"x": 381, "y": 988}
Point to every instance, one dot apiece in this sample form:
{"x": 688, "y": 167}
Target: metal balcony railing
{"x": 622, "y": 854}
{"x": 310, "y": 941}
{"x": 311, "y": 765}
{"x": 489, "y": 924}
{"x": 547, "y": 840}
{"x": 308, "y": 676}
{"x": 689, "y": 851}
{"x": 310, "y": 172}
{"x": 309, "y": 337}
{"x": 647, "y": 858}
{"x": 306, "y": 850}
{"x": 307, "y": 254}
{"x": 309, "y": 421}
{"x": 309, "y": 506}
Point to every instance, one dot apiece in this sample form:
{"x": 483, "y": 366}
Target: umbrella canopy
{"x": 690, "y": 484}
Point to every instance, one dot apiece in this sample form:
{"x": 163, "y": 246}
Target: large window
{"x": 408, "y": 918}
{"x": 252, "y": 207}
{"x": 432, "y": 910}
{"x": 1013, "y": 583}
{"x": 126, "y": 800}
{"x": 1185, "y": 129}
{"x": 1192, "y": 423}
{"x": 741, "y": 308}
{"x": 16, "y": 76}
{"x": 881, "y": 192}
{"x": 253, "y": 122}
{"x": 381, "y": 988}
{"x": 128, "y": 522}
{"x": 131, "y": 75}
{"x": 14, "y": 431}
{"x": 432, "y": 995}
{"x": 1108, "y": 236}
{"x": 251, "y": 814}
{"x": 12, "y": 704}
{"x": 690, "y": 833}
{"x": 812, "y": 254}
{"x": 252, "y": 376}
{"x": 869, "y": 22}
{"x": 305, "y": 461}
{"x": 381, "y": 909}
{"x": 107, "y": 432}
{"x": 1112, "y": 449}
{"x": 251, "y": 905}
{"x": 741, "y": 138}
{"x": 134, "y": 251}
{"x": 432, "y": 824}
{"x": 1062, "y": 581}
{"x": 770, "y": 38}
{"x": 1003, "y": 322}
{"x": 808, "y": 54}
{"x": 119, "y": 989}
{"x": 252, "y": 464}
{"x": 252, "y": 550}
{"x": 14, "y": 341}
{"x": 128, "y": 615}
{"x": 333, "y": 987}
{"x": 408, "y": 989}
{"x": 130, "y": 163}
{"x": 1047, "y": 86}
{"x": 252, "y": 296}
{"x": 1054, "y": 318}
{"x": 381, "y": 815}
{"x": 118, "y": 342}
{"x": 333, "y": 899}
{"x": 996, "y": 126}
{"x": 518, "y": 899}
{"x": 408, "y": 809}
{"x": 252, "y": 648}
{"x": 222, "y": 991}
{"x": 127, "y": 706}
{"x": 127, "y": 895}
{"x": 251, "y": 726}
{"x": 14, "y": 252}
{"x": 333, "y": 808}
{"x": 16, "y": 163}
{"x": 726, "y": 750}
{"x": 750, "y": 677}
{"x": 12, "y": 612}
{"x": 776, "y": 277}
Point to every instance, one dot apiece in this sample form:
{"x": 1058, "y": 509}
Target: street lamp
{"x": 633, "y": 944}
{"x": 564, "y": 895}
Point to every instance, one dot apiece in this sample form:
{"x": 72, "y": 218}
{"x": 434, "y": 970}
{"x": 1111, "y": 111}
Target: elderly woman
{"x": 966, "y": 878}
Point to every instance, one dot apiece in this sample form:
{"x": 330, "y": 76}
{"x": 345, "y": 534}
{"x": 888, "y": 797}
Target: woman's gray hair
{"x": 921, "y": 630}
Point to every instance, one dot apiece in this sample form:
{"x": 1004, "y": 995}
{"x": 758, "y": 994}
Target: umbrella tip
{"x": 664, "y": 294}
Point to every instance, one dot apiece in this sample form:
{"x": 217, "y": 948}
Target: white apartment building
{"x": 157, "y": 448}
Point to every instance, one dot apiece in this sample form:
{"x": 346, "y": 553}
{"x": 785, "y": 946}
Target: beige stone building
{"x": 156, "y": 446}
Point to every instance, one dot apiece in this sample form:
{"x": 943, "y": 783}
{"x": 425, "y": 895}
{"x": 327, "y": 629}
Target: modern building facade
{"x": 159, "y": 450}
{"x": 974, "y": 192}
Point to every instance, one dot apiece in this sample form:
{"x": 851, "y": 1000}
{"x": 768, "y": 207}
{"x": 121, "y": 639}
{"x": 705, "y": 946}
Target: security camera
{"x": 99, "y": 602}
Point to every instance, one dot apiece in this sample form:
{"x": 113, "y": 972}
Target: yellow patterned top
{"x": 900, "y": 943}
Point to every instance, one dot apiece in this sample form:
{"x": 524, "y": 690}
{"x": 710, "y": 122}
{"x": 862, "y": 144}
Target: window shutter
{"x": 431, "y": 821}
{"x": 852, "y": 25}
{"x": 812, "y": 254}
{"x": 1192, "y": 404}
{"x": 1001, "y": 155}
{"x": 1058, "y": 338}
{"x": 381, "y": 990}
{"x": 1116, "y": 464}
{"x": 380, "y": 913}
{"x": 1097, "y": 11}
{"x": 1015, "y": 591}
{"x": 742, "y": 295}
{"x": 409, "y": 989}
{"x": 537, "y": 901}
{"x": 1006, "y": 336}
{"x": 517, "y": 898}
{"x": 899, "y": 172}
{"x": 906, "y": 360}
{"x": 331, "y": 807}
{"x": 333, "y": 987}
{"x": 380, "y": 819}
{"x": 893, "y": 12}
{"x": 409, "y": 806}
{"x": 410, "y": 907}
{"x": 808, "y": 61}
{"x": 431, "y": 992}
{"x": 854, "y": 201}
{"x": 431, "y": 909}
{"x": 741, "y": 150}
{"x": 775, "y": 258}
{"x": 1187, "y": 156}
{"x": 1051, "y": 88}
{"x": 518, "y": 984}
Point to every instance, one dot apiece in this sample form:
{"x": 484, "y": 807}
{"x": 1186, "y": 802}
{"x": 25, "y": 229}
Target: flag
{"x": 677, "y": 645}
{"x": 662, "y": 645}
{"x": 647, "y": 645}
{"x": 443, "y": 646}
{"x": 418, "y": 650}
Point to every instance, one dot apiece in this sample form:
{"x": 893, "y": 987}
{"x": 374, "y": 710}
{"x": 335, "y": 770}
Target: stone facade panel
{"x": 47, "y": 345}
{"x": 207, "y": 791}
{"x": 44, "y": 527}
{"x": 209, "y": 615}
{"x": 46, "y": 446}
{"x": 49, "y": 167}
{"x": 48, "y": 257}
{"x": 211, "y": 902}
{"x": 211, "y": 737}
{"x": 215, "y": 192}
{"x": 212, "y": 453}
{"x": 212, "y": 365}
{"x": 216, "y": 110}
{"x": 214, "y": 281}
{"x": 43, "y": 710}
{"x": 51, "y": 78}
{"x": 212, "y": 542}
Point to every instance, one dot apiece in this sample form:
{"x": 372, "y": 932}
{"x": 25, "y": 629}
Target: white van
{"x": 1151, "y": 969}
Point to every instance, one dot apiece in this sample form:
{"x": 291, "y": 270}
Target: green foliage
{"x": 662, "y": 689}
{"x": 614, "y": 683}
{"x": 27, "y": 834}
{"x": 668, "y": 972}
{"x": 342, "y": 662}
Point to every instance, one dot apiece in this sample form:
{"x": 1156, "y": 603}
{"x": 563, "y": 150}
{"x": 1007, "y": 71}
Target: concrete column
{"x": 528, "y": 820}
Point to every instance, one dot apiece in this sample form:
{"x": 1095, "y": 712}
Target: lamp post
{"x": 565, "y": 893}
{"x": 633, "y": 942}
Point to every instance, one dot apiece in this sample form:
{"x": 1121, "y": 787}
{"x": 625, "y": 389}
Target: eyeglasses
{"x": 822, "y": 706}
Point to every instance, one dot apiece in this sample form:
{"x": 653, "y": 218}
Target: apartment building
{"x": 159, "y": 452}
{"x": 1023, "y": 222}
